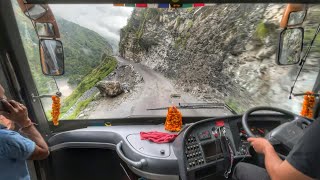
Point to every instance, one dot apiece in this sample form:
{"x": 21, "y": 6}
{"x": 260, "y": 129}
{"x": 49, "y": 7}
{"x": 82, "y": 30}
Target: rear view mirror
{"x": 45, "y": 29}
{"x": 35, "y": 12}
{"x": 52, "y": 58}
{"x": 290, "y": 46}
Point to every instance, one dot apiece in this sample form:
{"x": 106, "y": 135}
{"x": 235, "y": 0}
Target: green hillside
{"x": 83, "y": 49}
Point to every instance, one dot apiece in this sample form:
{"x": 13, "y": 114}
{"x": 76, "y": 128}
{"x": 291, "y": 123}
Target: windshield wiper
{"x": 303, "y": 60}
{"x": 194, "y": 106}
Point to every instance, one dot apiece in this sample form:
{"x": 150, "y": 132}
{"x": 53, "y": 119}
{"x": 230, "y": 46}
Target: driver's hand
{"x": 260, "y": 145}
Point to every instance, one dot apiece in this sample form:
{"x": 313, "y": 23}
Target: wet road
{"x": 154, "y": 92}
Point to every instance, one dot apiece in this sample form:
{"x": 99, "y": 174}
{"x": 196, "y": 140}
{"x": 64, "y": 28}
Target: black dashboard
{"x": 211, "y": 146}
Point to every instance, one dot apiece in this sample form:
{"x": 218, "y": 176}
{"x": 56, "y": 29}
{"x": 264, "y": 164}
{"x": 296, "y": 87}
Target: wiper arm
{"x": 194, "y": 106}
{"x": 303, "y": 60}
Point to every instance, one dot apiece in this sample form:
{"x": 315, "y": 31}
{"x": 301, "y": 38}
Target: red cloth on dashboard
{"x": 157, "y": 137}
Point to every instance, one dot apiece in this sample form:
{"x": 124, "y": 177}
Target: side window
{"x": 3, "y": 80}
{"x": 44, "y": 84}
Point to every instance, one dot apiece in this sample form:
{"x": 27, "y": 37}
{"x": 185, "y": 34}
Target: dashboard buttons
{"x": 193, "y": 152}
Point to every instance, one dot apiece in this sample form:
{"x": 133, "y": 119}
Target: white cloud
{"x": 106, "y": 20}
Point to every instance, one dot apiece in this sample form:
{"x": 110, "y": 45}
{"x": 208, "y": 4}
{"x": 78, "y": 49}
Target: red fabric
{"x": 157, "y": 137}
{"x": 220, "y": 123}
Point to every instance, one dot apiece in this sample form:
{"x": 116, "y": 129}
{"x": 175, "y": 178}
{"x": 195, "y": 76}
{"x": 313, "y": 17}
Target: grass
{"x": 189, "y": 24}
{"x": 139, "y": 33}
{"x": 261, "y": 31}
{"x": 80, "y": 106}
{"x": 178, "y": 21}
{"x": 182, "y": 41}
{"x": 97, "y": 74}
{"x": 177, "y": 43}
{"x": 235, "y": 106}
{"x": 189, "y": 10}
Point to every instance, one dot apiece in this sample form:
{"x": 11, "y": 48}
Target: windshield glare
{"x": 123, "y": 61}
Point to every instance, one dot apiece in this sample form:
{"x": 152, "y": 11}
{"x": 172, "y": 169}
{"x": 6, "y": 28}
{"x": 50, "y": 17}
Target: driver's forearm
{"x": 272, "y": 163}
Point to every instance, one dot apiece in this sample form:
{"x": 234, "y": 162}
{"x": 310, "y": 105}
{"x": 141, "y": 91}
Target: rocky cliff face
{"x": 224, "y": 52}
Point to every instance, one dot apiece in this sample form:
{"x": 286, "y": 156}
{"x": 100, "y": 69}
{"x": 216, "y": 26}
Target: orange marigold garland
{"x": 55, "y": 113}
{"x": 308, "y": 105}
{"x": 173, "y": 120}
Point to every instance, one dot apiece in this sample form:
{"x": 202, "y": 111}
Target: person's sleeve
{"x": 305, "y": 156}
{"x": 15, "y": 146}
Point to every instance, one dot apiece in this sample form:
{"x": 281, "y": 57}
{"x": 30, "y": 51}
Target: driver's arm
{"x": 277, "y": 168}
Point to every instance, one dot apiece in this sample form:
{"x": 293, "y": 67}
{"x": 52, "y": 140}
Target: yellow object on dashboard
{"x": 308, "y": 105}
{"x": 173, "y": 120}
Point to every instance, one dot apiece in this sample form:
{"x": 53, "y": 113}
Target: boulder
{"x": 109, "y": 88}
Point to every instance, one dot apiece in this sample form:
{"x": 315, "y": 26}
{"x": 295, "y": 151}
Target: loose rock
{"x": 109, "y": 88}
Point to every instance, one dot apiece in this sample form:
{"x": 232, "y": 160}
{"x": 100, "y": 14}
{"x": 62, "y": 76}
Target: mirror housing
{"x": 290, "y": 46}
{"x": 52, "y": 57}
{"x": 36, "y": 11}
{"x": 294, "y": 15}
{"x": 45, "y": 29}
{"x": 49, "y": 18}
{"x": 41, "y": 13}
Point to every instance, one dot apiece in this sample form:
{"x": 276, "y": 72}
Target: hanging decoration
{"x": 173, "y": 120}
{"x": 308, "y": 105}
{"x": 55, "y": 113}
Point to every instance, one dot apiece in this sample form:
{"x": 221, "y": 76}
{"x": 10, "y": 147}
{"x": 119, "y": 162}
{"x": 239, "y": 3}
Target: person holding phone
{"x": 15, "y": 149}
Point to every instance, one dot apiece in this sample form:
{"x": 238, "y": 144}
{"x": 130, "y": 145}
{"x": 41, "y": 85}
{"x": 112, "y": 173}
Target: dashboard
{"x": 211, "y": 147}
{"x": 202, "y": 150}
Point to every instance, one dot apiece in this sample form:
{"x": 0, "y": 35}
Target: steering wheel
{"x": 286, "y": 134}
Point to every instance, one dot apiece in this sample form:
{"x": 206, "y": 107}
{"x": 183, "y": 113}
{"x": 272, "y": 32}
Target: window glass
{"x": 123, "y": 61}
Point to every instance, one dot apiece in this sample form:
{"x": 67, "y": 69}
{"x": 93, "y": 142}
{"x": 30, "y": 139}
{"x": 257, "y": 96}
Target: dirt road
{"x": 153, "y": 93}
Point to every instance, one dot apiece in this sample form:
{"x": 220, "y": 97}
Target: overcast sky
{"x": 106, "y": 20}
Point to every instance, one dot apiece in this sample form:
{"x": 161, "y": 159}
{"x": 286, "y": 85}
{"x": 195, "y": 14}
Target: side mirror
{"x": 35, "y": 12}
{"x": 290, "y": 46}
{"x": 296, "y": 18}
{"x": 45, "y": 29}
{"x": 294, "y": 15}
{"x": 52, "y": 58}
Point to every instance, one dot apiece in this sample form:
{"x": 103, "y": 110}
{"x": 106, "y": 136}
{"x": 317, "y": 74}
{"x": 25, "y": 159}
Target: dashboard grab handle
{"x": 136, "y": 164}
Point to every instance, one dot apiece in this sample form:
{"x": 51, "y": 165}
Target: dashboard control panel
{"x": 212, "y": 147}
{"x": 193, "y": 152}
{"x": 204, "y": 145}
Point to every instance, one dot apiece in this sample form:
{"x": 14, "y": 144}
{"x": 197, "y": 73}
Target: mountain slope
{"x": 83, "y": 49}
